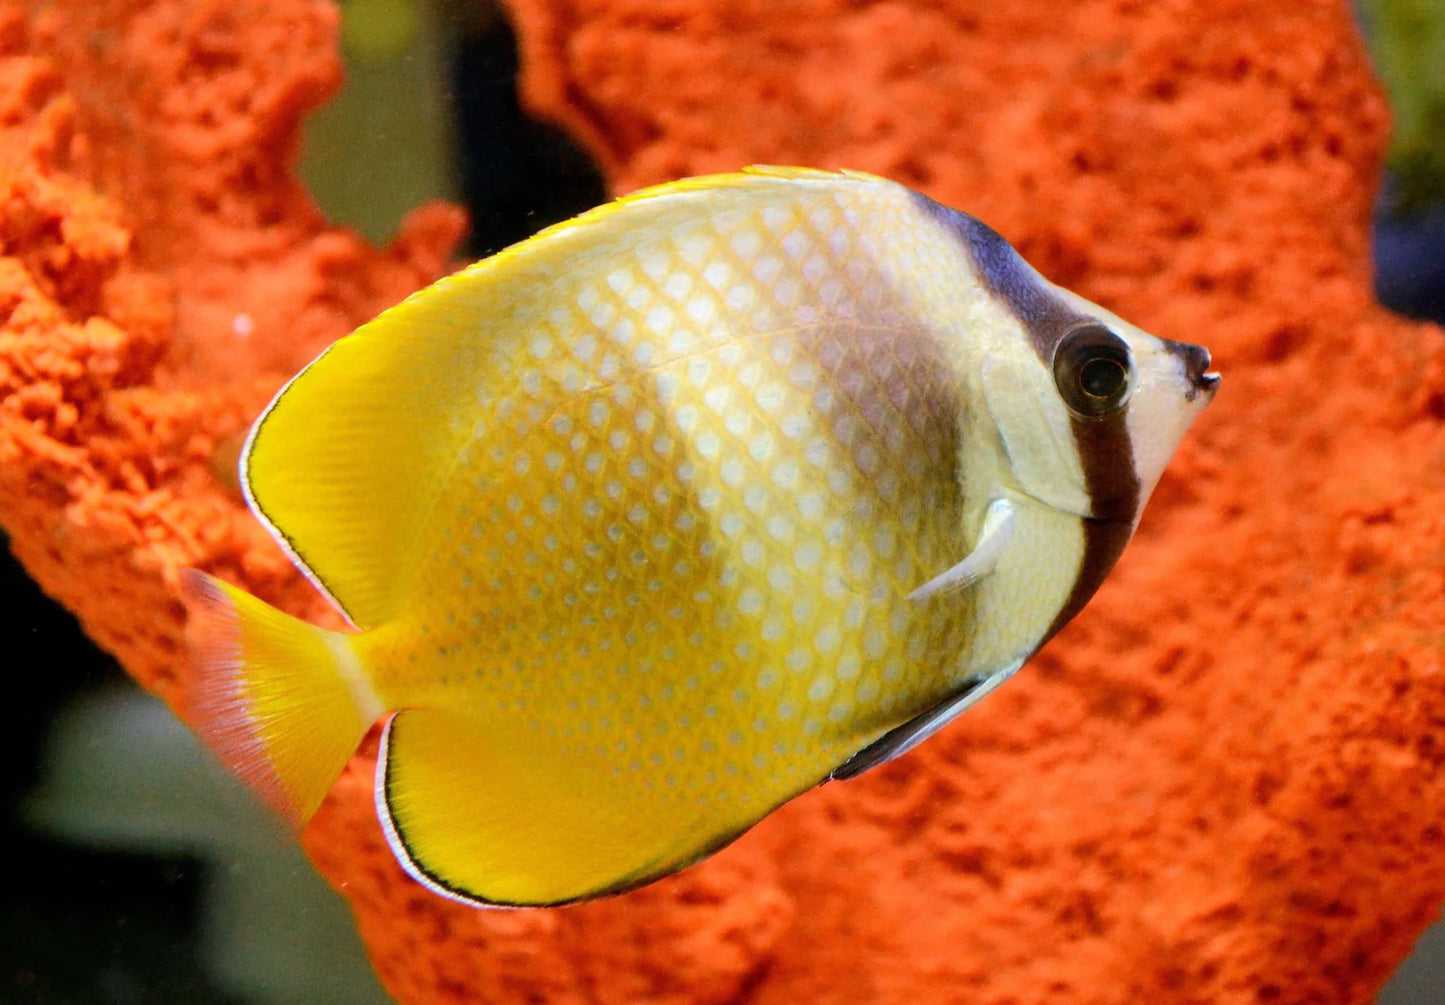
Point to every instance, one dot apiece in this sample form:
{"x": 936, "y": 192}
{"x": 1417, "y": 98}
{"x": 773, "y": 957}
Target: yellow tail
{"x": 282, "y": 702}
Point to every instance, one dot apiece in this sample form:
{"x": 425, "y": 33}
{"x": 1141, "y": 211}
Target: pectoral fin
{"x": 998, "y": 528}
{"x": 901, "y": 739}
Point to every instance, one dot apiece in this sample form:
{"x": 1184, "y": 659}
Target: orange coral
{"x": 163, "y": 270}
{"x": 1221, "y": 783}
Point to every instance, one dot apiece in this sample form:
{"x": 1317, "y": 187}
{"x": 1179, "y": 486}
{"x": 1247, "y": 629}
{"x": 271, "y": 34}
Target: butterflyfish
{"x": 672, "y": 512}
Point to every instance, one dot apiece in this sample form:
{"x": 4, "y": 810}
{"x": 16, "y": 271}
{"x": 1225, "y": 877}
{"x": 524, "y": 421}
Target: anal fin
{"x": 492, "y": 815}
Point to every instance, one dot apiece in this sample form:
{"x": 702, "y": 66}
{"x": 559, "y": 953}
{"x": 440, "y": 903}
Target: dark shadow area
{"x": 1410, "y": 261}
{"x": 517, "y": 175}
{"x": 79, "y": 925}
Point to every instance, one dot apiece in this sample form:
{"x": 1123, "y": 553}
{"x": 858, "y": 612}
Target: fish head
{"x": 1089, "y": 409}
{"x": 1173, "y": 383}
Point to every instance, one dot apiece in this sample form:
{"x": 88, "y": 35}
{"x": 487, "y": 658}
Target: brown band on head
{"x": 1104, "y": 542}
{"x": 1106, "y": 454}
{"x": 1105, "y": 450}
{"x": 1011, "y": 280}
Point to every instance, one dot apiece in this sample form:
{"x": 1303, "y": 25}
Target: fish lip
{"x": 1204, "y": 384}
{"x": 1196, "y": 360}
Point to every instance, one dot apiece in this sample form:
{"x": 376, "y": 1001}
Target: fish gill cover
{"x": 1222, "y": 782}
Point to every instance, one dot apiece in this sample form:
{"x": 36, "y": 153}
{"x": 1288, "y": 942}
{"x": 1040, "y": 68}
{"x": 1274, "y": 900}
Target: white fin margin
{"x": 393, "y": 836}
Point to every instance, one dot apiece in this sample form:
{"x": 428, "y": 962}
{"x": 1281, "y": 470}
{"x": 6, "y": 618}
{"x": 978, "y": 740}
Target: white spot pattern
{"x": 715, "y": 450}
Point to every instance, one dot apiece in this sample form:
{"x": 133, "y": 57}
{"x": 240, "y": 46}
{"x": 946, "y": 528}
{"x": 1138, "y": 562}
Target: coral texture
{"x": 162, "y": 271}
{"x": 1222, "y": 783}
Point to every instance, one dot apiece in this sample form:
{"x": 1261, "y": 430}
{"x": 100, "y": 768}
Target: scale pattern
{"x": 676, "y": 544}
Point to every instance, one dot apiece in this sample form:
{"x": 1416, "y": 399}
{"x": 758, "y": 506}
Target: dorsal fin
{"x": 339, "y": 463}
{"x": 345, "y": 463}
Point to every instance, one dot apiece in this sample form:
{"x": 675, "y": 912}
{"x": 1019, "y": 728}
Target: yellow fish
{"x": 666, "y": 515}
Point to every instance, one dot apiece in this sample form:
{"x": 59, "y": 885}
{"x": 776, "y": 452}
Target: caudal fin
{"x": 282, "y": 702}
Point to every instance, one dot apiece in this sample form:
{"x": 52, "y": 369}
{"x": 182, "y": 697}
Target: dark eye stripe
{"x": 1104, "y": 542}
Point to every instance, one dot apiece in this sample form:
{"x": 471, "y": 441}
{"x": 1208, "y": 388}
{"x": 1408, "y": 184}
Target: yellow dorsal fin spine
{"x": 750, "y": 176}
{"x": 281, "y": 702}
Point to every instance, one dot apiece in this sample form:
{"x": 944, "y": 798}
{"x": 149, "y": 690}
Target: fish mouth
{"x": 1196, "y": 359}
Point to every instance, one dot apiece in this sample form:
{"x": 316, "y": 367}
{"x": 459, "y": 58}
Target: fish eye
{"x": 1093, "y": 370}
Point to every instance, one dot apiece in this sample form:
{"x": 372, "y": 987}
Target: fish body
{"x": 670, "y": 513}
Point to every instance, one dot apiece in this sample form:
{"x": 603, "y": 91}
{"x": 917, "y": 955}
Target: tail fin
{"x": 282, "y": 702}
